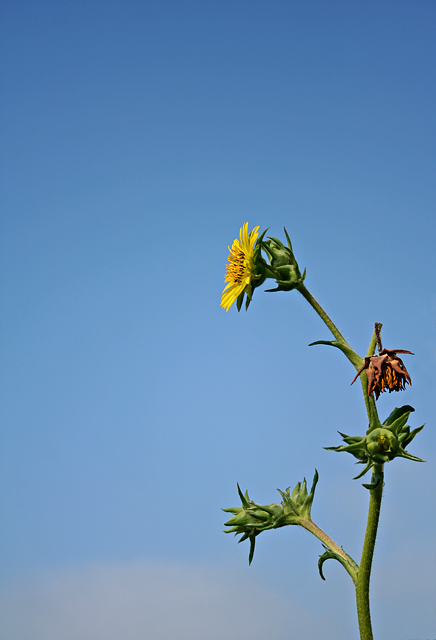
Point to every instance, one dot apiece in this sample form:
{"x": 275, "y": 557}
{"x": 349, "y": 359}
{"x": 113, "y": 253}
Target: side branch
{"x": 347, "y": 561}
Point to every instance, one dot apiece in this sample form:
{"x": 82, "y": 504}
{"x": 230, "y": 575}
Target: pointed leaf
{"x": 232, "y": 510}
{"x": 289, "y": 240}
{"x": 399, "y": 423}
{"x": 239, "y": 301}
{"x": 397, "y": 413}
{"x": 405, "y": 454}
{"x": 244, "y": 499}
{"x": 331, "y": 555}
{"x": 252, "y": 545}
{"x": 331, "y": 343}
{"x": 314, "y": 483}
{"x": 345, "y": 348}
{"x": 374, "y": 484}
{"x": 365, "y": 470}
{"x": 412, "y": 434}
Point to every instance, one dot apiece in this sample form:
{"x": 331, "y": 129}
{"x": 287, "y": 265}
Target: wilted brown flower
{"x": 385, "y": 371}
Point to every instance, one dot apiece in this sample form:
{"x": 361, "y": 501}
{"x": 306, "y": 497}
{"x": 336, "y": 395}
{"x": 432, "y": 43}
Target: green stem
{"x": 364, "y": 574}
{"x": 340, "y": 341}
{"x": 371, "y": 409}
{"x": 349, "y": 564}
{"x": 352, "y": 356}
{"x": 322, "y": 314}
{"x": 361, "y": 575}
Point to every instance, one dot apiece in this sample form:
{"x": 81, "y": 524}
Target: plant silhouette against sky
{"x": 252, "y": 260}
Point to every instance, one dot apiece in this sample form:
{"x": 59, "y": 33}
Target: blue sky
{"x": 137, "y": 138}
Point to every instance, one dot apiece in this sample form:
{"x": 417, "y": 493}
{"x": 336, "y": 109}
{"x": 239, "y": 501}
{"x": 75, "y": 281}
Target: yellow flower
{"x": 241, "y": 267}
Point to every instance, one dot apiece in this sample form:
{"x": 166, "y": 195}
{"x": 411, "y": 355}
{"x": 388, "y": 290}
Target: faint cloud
{"x": 145, "y": 601}
{"x": 151, "y": 601}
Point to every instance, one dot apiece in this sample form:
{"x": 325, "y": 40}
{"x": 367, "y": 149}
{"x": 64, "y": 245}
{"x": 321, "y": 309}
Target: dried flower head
{"x": 386, "y": 371}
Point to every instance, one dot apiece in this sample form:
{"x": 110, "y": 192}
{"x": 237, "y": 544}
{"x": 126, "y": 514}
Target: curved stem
{"x": 349, "y": 564}
{"x": 360, "y": 574}
{"x": 364, "y": 574}
{"x": 322, "y": 314}
{"x": 340, "y": 341}
{"x": 352, "y": 356}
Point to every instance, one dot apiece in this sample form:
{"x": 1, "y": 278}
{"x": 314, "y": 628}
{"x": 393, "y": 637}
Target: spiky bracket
{"x": 283, "y": 263}
{"x": 382, "y": 444}
{"x": 251, "y": 518}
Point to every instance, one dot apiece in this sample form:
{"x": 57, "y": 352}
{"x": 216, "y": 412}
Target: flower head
{"x": 252, "y": 518}
{"x": 383, "y": 443}
{"x": 386, "y": 371}
{"x": 245, "y": 269}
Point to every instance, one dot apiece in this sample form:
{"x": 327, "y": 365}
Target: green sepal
{"x": 397, "y": 413}
{"x": 300, "y": 502}
{"x": 252, "y": 537}
{"x": 240, "y": 300}
{"x": 251, "y": 518}
{"x": 289, "y": 240}
{"x": 252, "y": 545}
{"x": 350, "y": 439}
{"x": 408, "y": 456}
{"x": 397, "y": 425}
{"x": 368, "y": 466}
{"x": 356, "y": 446}
{"x": 381, "y": 444}
{"x": 244, "y": 498}
{"x": 408, "y": 438}
{"x": 283, "y": 264}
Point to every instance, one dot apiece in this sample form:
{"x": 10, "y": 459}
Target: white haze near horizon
{"x": 142, "y": 600}
{"x": 137, "y": 601}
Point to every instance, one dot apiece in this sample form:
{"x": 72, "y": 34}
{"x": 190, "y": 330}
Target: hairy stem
{"x": 371, "y": 409}
{"x": 360, "y": 574}
{"x": 349, "y": 564}
{"x": 364, "y": 574}
{"x": 322, "y": 314}
{"x": 352, "y": 356}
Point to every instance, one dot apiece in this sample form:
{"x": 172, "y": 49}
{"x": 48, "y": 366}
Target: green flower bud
{"x": 252, "y": 518}
{"x": 382, "y": 444}
{"x": 283, "y": 264}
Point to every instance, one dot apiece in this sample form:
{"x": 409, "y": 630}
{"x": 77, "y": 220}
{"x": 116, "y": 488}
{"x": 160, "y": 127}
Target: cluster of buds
{"x": 252, "y": 518}
{"x": 283, "y": 263}
{"x": 382, "y": 444}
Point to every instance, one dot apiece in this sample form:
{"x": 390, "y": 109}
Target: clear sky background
{"x": 137, "y": 137}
